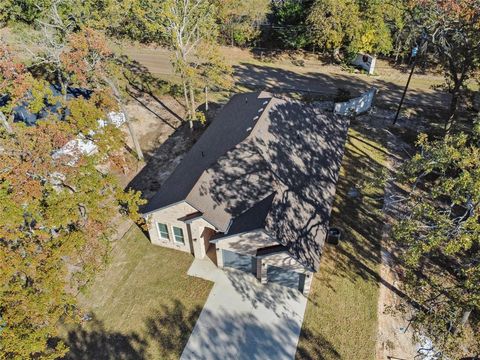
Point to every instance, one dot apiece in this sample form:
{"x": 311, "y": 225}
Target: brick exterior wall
{"x": 169, "y": 216}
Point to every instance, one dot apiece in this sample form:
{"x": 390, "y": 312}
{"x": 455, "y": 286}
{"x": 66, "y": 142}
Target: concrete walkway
{"x": 243, "y": 319}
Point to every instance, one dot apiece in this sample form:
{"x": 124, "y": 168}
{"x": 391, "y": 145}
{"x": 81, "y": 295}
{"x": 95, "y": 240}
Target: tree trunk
{"x": 463, "y": 322}
{"x": 452, "y": 109}
{"x": 5, "y": 123}
{"x": 336, "y": 56}
{"x": 192, "y": 102}
{"x": 185, "y": 94}
{"x": 465, "y": 317}
{"x": 63, "y": 87}
{"x": 397, "y": 51}
{"x": 135, "y": 141}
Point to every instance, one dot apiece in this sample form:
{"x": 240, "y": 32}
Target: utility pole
{"x": 415, "y": 57}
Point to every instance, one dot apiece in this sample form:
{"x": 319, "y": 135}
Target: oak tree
{"x": 453, "y": 31}
{"x": 90, "y": 63}
{"x": 440, "y": 235}
{"x": 56, "y": 208}
{"x": 240, "y": 20}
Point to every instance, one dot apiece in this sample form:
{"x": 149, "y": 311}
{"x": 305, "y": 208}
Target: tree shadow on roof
{"x": 295, "y": 152}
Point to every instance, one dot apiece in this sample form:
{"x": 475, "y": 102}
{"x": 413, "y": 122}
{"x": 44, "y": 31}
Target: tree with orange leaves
{"x": 90, "y": 63}
{"x": 14, "y": 83}
{"x": 55, "y": 210}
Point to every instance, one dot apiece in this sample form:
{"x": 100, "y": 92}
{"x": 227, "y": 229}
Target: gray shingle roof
{"x": 227, "y": 130}
{"x": 277, "y": 172}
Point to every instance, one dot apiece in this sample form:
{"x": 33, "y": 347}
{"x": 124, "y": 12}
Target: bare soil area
{"x": 164, "y": 136}
{"x": 395, "y": 338}
{"x": 309, "y": 73}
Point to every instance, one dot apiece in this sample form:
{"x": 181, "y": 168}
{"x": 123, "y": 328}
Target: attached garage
{"x": 285, "y": 277}
{"x": 238, "y": 261}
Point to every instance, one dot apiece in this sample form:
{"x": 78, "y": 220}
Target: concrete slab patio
{"x": 243, "y": 319}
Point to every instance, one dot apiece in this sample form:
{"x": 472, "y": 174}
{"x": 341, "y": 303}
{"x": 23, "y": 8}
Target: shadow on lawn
{"x": 320, "y": 348}
{"x": 168, "y": 329}
{"x": 359, "y": 217}
{"x": 98, "y": 343}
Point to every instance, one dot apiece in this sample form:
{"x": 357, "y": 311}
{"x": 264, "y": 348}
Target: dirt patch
{"x": 164, "y": 136}
{"x": 394, "y": 337}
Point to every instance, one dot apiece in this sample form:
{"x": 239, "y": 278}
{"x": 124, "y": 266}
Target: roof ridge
{"x": 266, "y": 109}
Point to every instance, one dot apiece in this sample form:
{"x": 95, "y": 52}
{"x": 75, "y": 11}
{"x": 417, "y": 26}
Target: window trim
{"x": 168, "y": 238}
{"x": 175, "y": 237}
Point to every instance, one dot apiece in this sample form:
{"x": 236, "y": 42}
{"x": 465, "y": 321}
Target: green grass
{"x": 144, "y": 305}
{"x": 341, "y": 316}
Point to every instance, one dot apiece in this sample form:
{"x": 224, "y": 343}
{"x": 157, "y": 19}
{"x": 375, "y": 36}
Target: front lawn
{"x": 143, "y": 306}
{"x": 341, "y": 315}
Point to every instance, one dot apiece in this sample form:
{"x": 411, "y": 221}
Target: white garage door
{"x": 238, "y": 261}
{"x": 285, "y": 277}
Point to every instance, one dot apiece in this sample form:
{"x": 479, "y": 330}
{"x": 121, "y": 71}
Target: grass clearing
{"x": 341, "y": 316}
{"x": 144, "y": 305}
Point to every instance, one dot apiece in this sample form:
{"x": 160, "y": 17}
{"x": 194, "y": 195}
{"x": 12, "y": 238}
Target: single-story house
{"x": 255, "y": 192}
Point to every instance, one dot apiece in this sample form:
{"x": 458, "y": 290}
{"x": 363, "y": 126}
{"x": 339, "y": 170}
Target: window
{"x": 178, "y": 235}
{"x": 163, "y": 231}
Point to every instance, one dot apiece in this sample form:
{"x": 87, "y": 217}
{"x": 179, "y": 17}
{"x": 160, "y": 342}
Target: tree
{"x": 453, "y": 30}
{"x": 17, "y": 83}
{"x": 213, "y": 72}
{"x": 335, "y": 24}
{"x": 22, "y": 10}
{"x": 90, "y": 63}
{"x": 132, "y": 19}
{"x": 440, "y": 236}
{"x": 356, "y": 26}
{"x": 55, "y": 213}
{"x": 55, "y": 29}
{"x": 289, "y": 23}
{"x": 240, "y": 19}
{"x": 380, "y": 20}
{"x": 190, "y": 27}
{"x": 14, "y": 82}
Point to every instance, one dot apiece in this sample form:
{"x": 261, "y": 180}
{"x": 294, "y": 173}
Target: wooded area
{"x": 56, "y": 206}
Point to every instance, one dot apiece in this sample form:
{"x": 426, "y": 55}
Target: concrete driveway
{"x": 243, "y": 319}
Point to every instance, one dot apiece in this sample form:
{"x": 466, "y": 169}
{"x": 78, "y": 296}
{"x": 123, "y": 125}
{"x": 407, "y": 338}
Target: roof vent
{"x": 203, "y": 155}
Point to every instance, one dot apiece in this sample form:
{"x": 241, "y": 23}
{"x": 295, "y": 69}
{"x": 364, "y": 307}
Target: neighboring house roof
{"x": 268, "y": 163}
